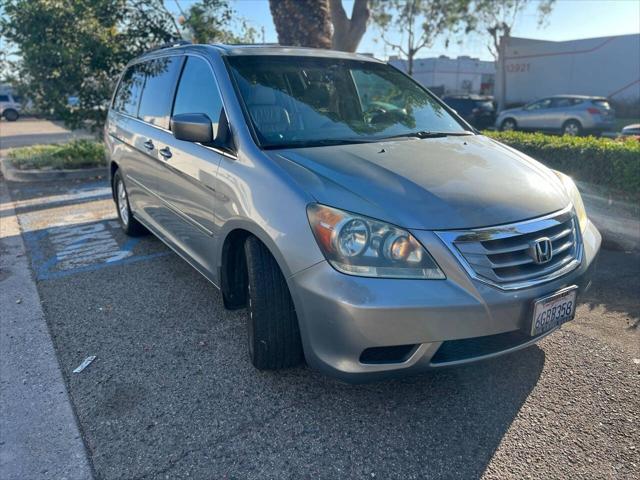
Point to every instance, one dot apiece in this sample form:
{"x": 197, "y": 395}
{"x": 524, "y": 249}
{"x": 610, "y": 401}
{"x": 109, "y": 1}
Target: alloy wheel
{"x": 123, "y": 203}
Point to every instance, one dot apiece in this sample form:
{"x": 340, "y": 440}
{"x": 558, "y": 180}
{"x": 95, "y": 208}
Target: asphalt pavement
{"x": 33, "y": 131}
{"x": 171, "y": 393}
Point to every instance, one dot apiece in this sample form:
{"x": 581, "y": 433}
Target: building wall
{"x": 452, "y": 75}
{"x": 607, "y": 67}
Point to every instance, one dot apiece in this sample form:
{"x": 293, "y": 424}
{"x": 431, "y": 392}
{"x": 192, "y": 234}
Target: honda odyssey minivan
{"x": 362, "y": 224}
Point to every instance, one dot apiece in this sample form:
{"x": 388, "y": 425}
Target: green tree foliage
{"x": 77, "y": 48}
{"x": 497, "y": 17}
{"x": 210, "y": 21}
{"x": 417, "y": 23}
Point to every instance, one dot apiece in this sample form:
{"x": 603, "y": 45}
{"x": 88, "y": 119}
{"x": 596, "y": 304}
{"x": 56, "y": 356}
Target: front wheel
{"x": 11, "y": 115}
{"x": 129, "y": 224}
{"x": 272, "y": 324}
{"x": 508, "y": 125}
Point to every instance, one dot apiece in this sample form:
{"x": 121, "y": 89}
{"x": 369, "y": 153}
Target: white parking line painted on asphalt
{"x": 74, "y": 194}
{"x": 86, "y": 244}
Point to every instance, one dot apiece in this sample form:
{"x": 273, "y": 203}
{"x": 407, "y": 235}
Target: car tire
{"x": 572, "y": 128}
{"x": 508, "y": 124}
{"x": 129, "y": 224}
{"x": 11, "y": 115}
{"x": 272, "y": 324}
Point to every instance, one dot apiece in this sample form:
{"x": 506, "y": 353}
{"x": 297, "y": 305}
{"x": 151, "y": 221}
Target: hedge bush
{"x": 602, "y": 161}
{"x": 75, "y": 154}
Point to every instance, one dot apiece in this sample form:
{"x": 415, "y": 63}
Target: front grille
{"x": 505, "y": 255}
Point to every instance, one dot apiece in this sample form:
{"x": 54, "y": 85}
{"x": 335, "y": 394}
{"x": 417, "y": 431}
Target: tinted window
{"x": 4, "y": 98}
{"x": 602, "y": 104}
{"x": 539, "y": 104}
{"x": 128, "y": 95}
{"x": 303, "y": 101}
{"x": 197, "y": 92}
{"x": 486, "y": 105}
{"x": 160, "y": 79}
{"x": 562, "y": 102}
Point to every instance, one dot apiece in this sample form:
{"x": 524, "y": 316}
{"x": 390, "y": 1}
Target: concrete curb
{"x": 14, "y": 175}
{"x": 40, "y": 437}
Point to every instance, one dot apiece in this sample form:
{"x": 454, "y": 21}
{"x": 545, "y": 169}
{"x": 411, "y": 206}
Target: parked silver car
{"x": 9, "y": 107}
{"x": 567, "y": 114}
{"x": 365, "y": 227}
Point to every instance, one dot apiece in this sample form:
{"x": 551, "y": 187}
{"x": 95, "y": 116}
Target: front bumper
{"x": 427, "y": 321}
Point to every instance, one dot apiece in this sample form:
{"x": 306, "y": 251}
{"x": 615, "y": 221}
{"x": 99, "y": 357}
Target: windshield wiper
{"x": 316, "y": 143}
{"x": 427, "y": 134}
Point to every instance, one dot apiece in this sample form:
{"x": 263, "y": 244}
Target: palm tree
{"x": 302, "y": 23}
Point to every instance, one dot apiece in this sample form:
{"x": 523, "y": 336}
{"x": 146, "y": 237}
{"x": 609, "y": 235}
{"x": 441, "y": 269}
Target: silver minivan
{"x": 362, "y": 224}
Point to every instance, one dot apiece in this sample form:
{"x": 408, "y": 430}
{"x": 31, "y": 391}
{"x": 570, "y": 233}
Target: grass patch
{"x": 73, "y": 155}
{"x": 601, "y": 161}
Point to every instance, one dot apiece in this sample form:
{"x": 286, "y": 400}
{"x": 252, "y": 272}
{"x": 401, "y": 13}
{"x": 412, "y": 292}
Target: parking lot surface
{"x": 171, "y": 393}
{"x": 32, "y": 131}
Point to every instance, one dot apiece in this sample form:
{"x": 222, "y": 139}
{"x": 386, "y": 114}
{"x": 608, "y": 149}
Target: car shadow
{"x": 172, "y": 385}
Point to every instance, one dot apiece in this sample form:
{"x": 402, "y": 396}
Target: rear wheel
{"x": 572, "y": 128}
{"x": 272, "y": 324}
{"x": 11, "y": 115}
{"x": 128, "y": 223}
{"x": 508, "y": 124}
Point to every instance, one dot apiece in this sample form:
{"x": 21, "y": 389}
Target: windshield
{"x": 302, "y": 101}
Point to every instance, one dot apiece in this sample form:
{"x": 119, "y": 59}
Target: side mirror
{"x": 192, "y": 127}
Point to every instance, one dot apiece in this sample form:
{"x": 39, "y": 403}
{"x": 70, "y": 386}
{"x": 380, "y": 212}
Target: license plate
{"x": 554, "y": 310}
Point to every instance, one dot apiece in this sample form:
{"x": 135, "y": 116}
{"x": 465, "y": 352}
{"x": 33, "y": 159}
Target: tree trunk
{"x": 347, "y": 33}
{"x": 302, "y": 23}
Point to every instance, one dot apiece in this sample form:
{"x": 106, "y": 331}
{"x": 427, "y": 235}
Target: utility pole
{"x": 502, "y": 71}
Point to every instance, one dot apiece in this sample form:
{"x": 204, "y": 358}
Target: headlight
{"x": 362, "y": 246}
{"x": 576, "y": 199}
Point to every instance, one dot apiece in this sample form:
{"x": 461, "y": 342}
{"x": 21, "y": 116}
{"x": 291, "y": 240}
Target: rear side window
{"x": 155, "y": 104}
{"x": 4, "y": 98}
{"x": 197, "y": 92}
{"x": 562, "y": 102}
{"x": 602, "y": 104}
{"x": 129, "y": 90}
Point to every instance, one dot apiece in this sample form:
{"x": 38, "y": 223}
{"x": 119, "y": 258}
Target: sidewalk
{"x": 39, "y": 435}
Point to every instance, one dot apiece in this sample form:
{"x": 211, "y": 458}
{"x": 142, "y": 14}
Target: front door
{"x": 187, "y": 181}
{"x": 534, "y": 115}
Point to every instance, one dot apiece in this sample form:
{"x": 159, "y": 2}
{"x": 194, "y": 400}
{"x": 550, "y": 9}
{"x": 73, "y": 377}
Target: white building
{"x": 444, "y": 75}
{"x": 607, "y": 67}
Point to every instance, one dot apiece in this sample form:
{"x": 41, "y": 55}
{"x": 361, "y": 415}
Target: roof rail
{"x": 175, "y": 43}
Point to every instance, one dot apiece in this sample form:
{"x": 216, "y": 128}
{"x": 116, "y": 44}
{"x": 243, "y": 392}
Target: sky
{"x": 570, "y": 19}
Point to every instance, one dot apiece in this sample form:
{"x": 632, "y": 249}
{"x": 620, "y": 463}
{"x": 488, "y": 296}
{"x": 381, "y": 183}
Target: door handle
{"x": 166, "y": 153}
{"x": 148, "y": 145}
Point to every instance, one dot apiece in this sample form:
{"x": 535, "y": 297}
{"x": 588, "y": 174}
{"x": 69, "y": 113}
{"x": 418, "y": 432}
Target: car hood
{"x": 438, "y": 183}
